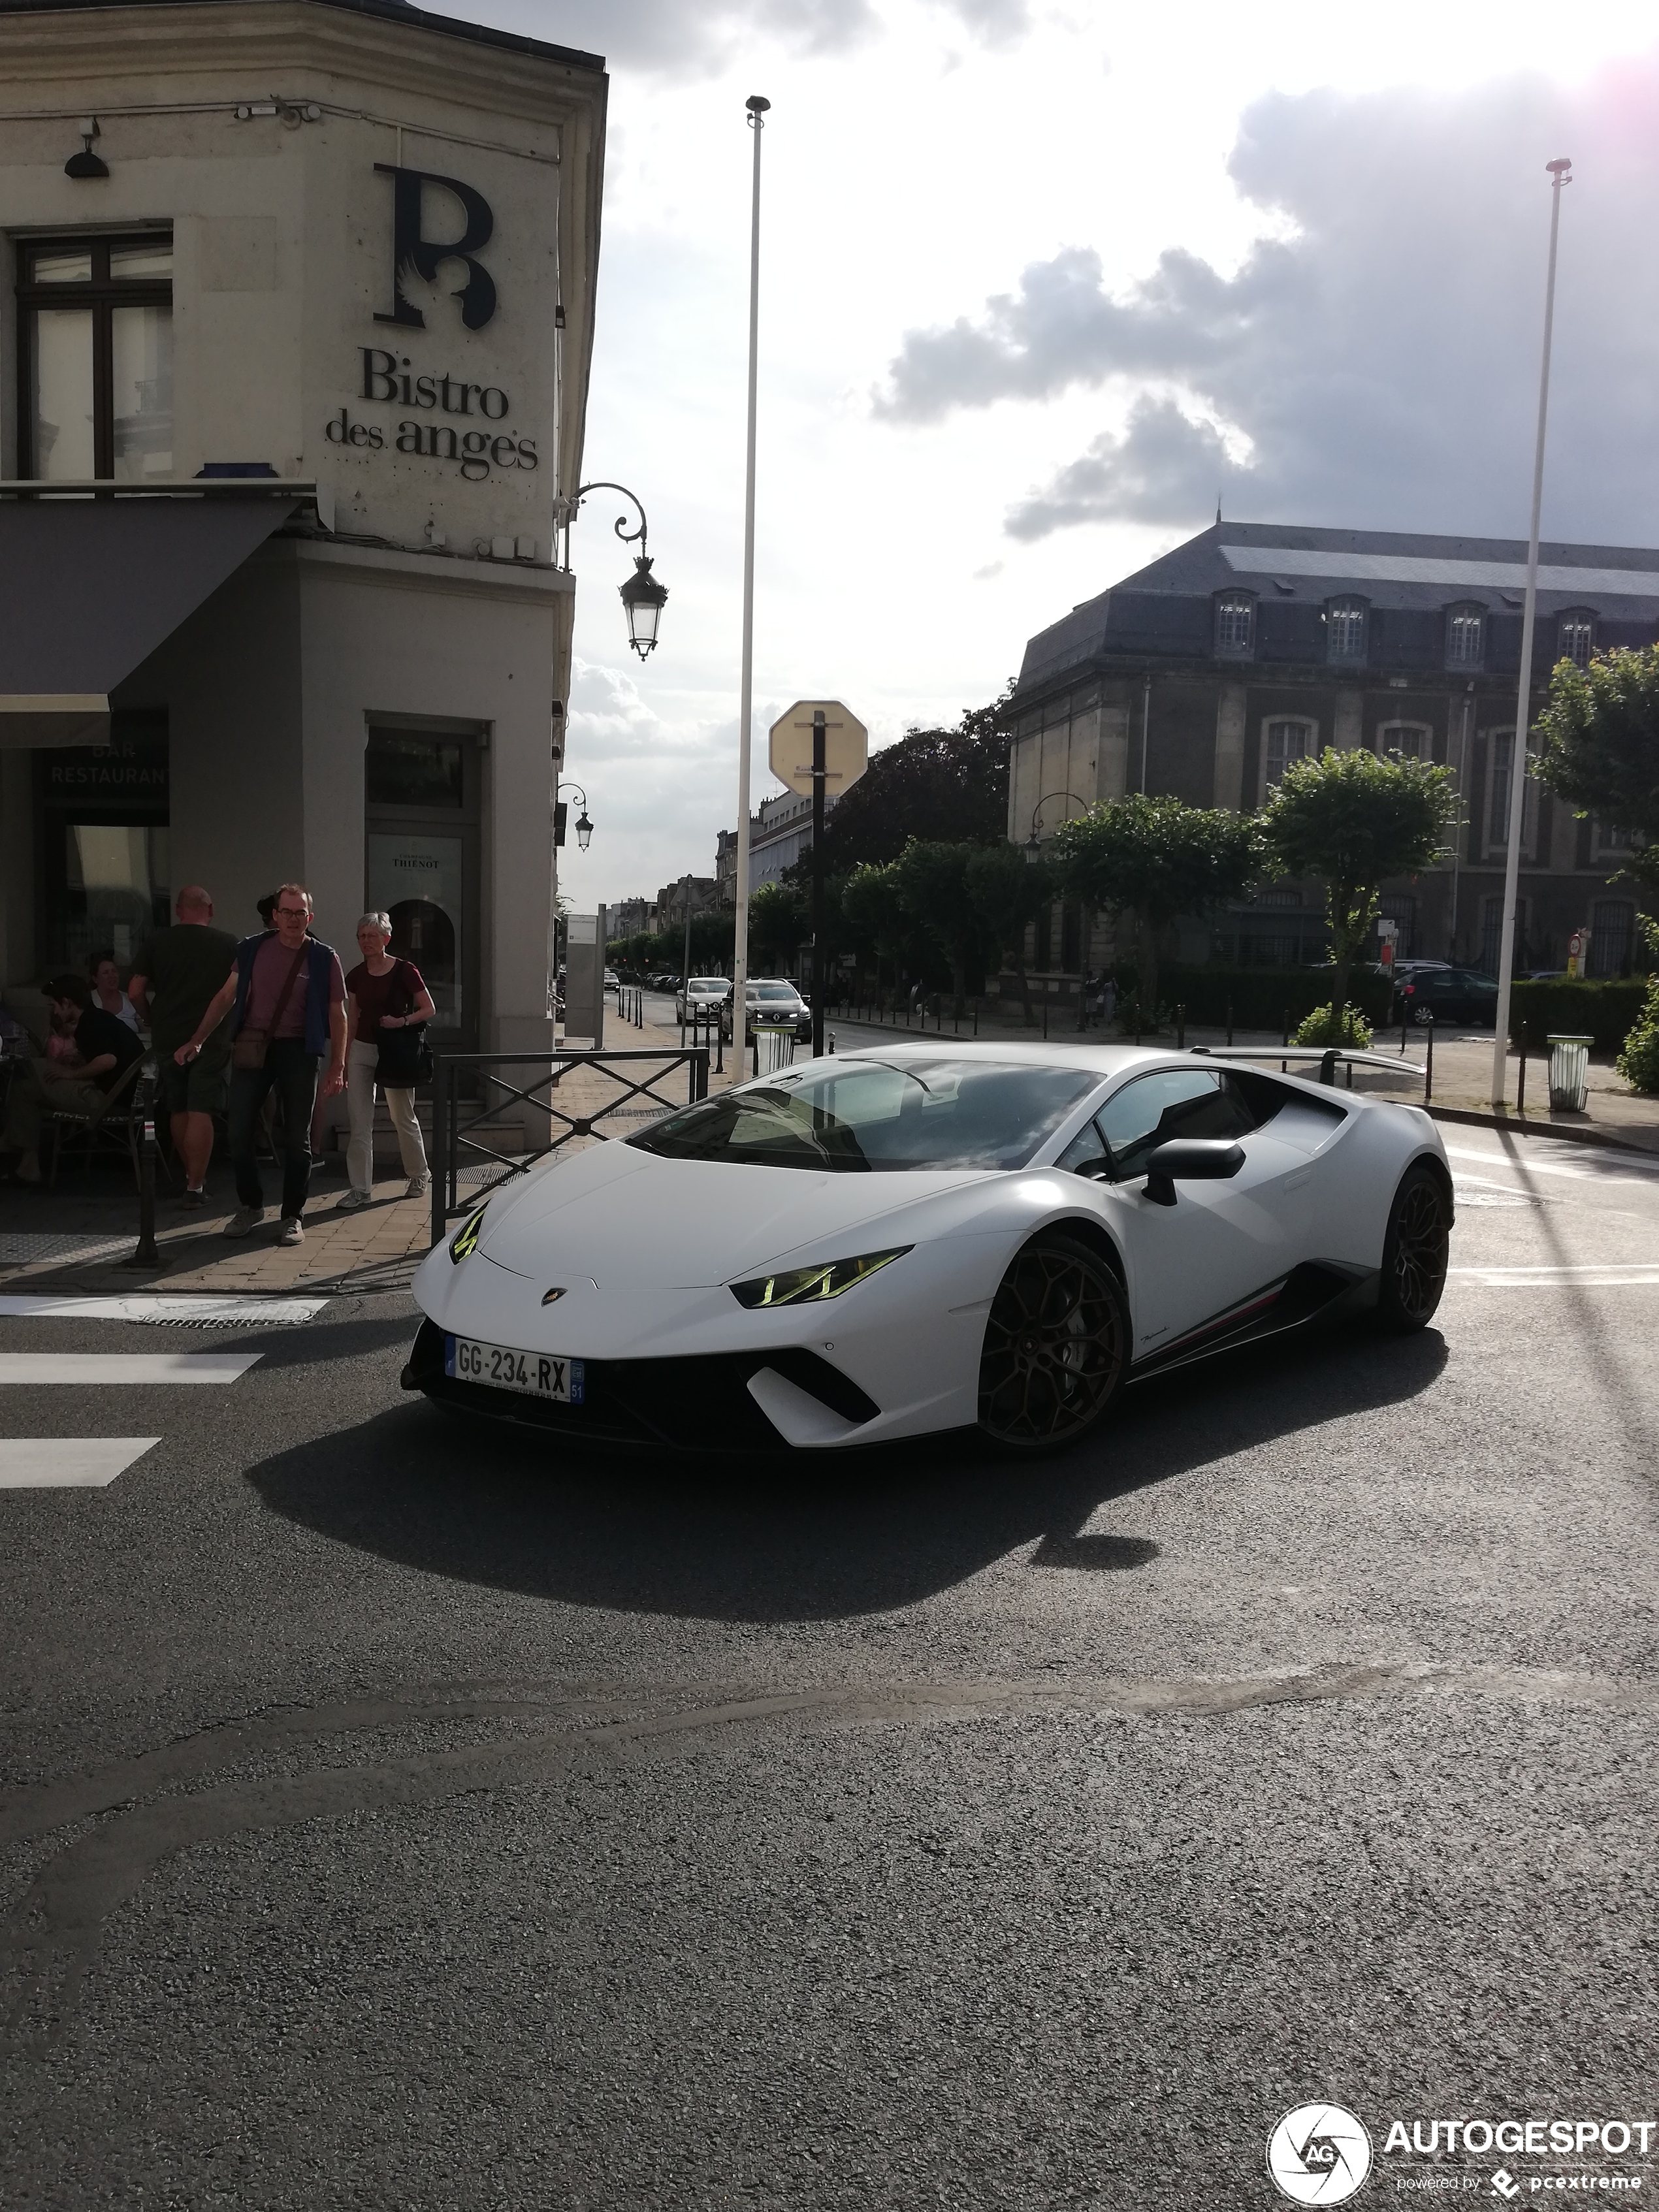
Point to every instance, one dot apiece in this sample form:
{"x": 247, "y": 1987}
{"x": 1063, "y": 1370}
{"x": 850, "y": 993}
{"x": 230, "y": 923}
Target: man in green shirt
{"x": 177, "y": 974}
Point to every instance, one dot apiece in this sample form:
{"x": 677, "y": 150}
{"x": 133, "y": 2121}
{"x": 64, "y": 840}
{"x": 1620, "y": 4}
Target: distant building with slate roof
{"x": 1254, "y": 644}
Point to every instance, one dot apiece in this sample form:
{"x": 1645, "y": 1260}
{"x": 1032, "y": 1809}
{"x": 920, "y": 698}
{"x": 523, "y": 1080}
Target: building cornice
{"x": 528, "y": 583}
{"x": 250, "y": 45}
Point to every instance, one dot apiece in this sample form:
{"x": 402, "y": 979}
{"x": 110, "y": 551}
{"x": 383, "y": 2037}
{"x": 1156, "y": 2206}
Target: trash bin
{"x": 1569, "y": 1073}
{"x": 777, "y": 1048}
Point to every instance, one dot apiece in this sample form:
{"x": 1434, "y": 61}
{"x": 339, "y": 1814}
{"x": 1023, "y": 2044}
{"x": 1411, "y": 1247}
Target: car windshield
{"x": 771, "y": 990}
{"x": 879, "y": 1116}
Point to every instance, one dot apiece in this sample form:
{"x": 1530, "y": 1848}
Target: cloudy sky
{"x": 1039, "y": 283}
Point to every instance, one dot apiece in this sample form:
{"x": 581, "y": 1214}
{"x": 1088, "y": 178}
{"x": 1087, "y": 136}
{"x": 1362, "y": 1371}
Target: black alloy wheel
{"x": 1056, "y": 1346}
{"x": 1415, "y": 1252}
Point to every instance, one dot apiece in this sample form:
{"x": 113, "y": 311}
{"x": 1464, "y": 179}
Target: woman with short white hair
{"x": 387, "y": 1002}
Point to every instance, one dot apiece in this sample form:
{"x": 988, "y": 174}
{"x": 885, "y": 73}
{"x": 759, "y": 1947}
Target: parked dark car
{"x": 1451, "y": 995}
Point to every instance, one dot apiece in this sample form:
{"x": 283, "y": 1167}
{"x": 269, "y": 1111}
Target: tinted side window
{"x": 1086, "y": 1155}
{"x": 1177, "y": 1102}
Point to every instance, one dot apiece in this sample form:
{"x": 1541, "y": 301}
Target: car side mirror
{"x": 1190, "y": 1159}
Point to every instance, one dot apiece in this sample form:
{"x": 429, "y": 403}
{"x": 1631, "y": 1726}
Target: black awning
{"x": 89, "y": 587}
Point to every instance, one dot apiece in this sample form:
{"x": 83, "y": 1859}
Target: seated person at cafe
{"x": 107, "y": 1049}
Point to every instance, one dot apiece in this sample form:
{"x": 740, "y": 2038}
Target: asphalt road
{"x": 397, "y": 1815}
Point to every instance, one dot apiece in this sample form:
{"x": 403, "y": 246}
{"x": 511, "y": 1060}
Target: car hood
{"x": 613, "y": 1213}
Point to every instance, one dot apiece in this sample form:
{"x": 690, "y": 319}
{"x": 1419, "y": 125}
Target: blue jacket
{"x": 322, "y": 959}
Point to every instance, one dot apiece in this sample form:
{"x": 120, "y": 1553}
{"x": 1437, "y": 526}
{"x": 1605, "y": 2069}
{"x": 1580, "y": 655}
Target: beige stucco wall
{"x": 282, "y": 231}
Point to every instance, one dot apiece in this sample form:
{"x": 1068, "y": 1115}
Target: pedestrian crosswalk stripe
{"x": 88, "y": 1367}
{"x": 68, "y": 1463}
{"x": 1611, "y": 1274}
{"x": 206, "y": 1311}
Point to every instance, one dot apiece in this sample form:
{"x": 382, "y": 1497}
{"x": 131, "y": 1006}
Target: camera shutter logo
{"x": 1319, "y": 2154}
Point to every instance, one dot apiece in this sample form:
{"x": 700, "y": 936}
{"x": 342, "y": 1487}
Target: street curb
{"x": 1526, "y": 1127}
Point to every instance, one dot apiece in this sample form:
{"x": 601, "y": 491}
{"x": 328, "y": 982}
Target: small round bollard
{"x": 1569, "y": 1073}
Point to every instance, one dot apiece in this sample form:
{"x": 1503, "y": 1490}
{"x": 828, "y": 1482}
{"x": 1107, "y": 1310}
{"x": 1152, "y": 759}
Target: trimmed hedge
{"x": 1262, "y": 997}
{"x": 1606, "y": 1012}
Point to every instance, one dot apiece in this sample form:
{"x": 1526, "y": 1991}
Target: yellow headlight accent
{"x": 465, "y": 1239}
{"x": 801, "y": 1287}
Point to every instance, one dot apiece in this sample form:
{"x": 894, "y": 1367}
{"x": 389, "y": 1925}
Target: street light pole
{"x": 757, "y": 108}
{"x": 1560, "y": 173}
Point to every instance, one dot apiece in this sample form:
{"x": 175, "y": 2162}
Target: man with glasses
{"x": 286, "y": 998}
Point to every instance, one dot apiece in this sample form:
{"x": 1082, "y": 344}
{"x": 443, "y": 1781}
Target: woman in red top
{"x": 382, "y": 995}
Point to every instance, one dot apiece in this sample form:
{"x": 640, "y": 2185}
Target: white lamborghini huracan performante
{"x": 897, "y": 1242}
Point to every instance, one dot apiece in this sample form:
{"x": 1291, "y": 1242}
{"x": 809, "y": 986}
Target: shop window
{"x": 1344, "y": 630}
{"x": 1235, "y": 625}
{"x": 1285, "y": 742}
{"x": 422, "y": 810}
{"x": 1401, "y": 909}
{"x": 96, "y": 346}
{"x": 104, "y": 872}
{"x": 1612, "y": 927}
{"x": 1577, "y": 637}
{"x": 1466, "y": 637}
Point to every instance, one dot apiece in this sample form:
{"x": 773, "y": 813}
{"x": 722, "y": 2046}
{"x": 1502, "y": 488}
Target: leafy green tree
{"x": 872, "y": 911}
{"x": 1006, "y": 892}
{"x": 943, "y": 786}
{"x": 1356, "y": 821}
{"x": 778, "y": 920}
{"x": 1638, "y": 1063}
{"x": 1600, "y": 732}
{"x": 1155, "y": 858}
{"x": 931, "y": 879}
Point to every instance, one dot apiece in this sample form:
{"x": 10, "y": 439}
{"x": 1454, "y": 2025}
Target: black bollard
{"x": 1180, "y": 1028}
{"x": 145, "y": 1253}
{"x": 1230, "y": 1022}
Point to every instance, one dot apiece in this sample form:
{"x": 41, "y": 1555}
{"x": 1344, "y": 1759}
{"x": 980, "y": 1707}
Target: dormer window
{"x": 1344, "y": 629}
{"x": 1577, "y": 636}
{"x": 1466, "y": 637}
{"x": 1235, "y": 625}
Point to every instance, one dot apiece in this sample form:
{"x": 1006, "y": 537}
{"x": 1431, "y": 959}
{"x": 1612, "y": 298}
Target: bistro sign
{"x": 390, "y": 379}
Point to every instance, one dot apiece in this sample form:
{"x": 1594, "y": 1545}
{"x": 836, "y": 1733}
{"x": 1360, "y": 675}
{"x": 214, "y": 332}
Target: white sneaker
{"x": 245, "y": 1221}
{"x": 292, "y": 1231}
{"x": 353, "y": 1199}
{"x": 418, "y": 1186}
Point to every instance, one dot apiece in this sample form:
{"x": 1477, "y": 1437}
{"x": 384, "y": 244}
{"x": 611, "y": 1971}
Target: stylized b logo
{"x": 412, "y": 249}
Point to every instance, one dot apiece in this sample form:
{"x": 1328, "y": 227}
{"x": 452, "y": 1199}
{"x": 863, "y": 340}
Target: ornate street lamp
{"x": 643, "y": 596}
{"x": 1034, "y": 843}
{"x": 584, "y": 827}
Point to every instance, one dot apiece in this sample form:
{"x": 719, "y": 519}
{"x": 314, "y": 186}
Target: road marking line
{"x": 1643, "y": 1174}
{"x": 1606, "y": 1277}
{"x": 209, "y": 1310}
{"x": 68, "y": 1463}
{"x": 86, "y": 1367}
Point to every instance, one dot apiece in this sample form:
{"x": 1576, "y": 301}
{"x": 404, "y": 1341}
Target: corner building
{"x": 1253, "y": 644}
{"x": 298, "y": 296}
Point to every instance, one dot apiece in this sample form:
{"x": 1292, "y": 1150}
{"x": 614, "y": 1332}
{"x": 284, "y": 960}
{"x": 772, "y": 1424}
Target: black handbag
{"x": 405, "y": 1055}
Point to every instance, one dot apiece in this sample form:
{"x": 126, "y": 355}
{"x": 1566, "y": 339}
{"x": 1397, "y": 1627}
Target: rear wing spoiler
{"x": 1328, "y": 1057}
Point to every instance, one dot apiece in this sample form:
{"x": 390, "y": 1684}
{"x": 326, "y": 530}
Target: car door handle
{"x": 1296, "y": 1182}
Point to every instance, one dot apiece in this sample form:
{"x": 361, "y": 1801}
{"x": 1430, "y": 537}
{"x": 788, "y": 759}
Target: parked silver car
{"x": 774, "y": 1003}
{"x": 699, "y": 995}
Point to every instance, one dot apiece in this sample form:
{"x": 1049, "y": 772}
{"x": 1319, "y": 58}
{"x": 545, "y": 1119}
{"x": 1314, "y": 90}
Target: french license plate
{"x": 537, "y": 1374}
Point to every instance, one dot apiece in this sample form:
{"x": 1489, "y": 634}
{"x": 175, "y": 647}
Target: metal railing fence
{"x": 625, "y": 1081}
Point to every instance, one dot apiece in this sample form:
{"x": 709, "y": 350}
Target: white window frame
{"x": 1423, "y": 731}
{"x": 1496, "y": 826}
{"x": 1235, "y": 602}
{"x": 1350, "y": 607}
{"x": 1580, "y": 621}
{"x": 1466, "y": 612}
{"x": 1310, "y": 728}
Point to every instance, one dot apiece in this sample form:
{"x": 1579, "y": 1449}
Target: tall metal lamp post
{"x": 1560, "y": 173}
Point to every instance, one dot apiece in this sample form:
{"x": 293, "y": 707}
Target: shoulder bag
{"x": 405, "y": 1055}
{"x": 249, "y": 1047}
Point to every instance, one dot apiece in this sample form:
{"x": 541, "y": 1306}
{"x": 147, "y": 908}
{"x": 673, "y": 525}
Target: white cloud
{"x": 1375, "y": 362}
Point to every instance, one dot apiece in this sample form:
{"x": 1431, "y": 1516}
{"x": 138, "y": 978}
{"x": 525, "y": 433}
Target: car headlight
{"x": 464, "y": 1242}
{"x": 803, "y": 1286}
